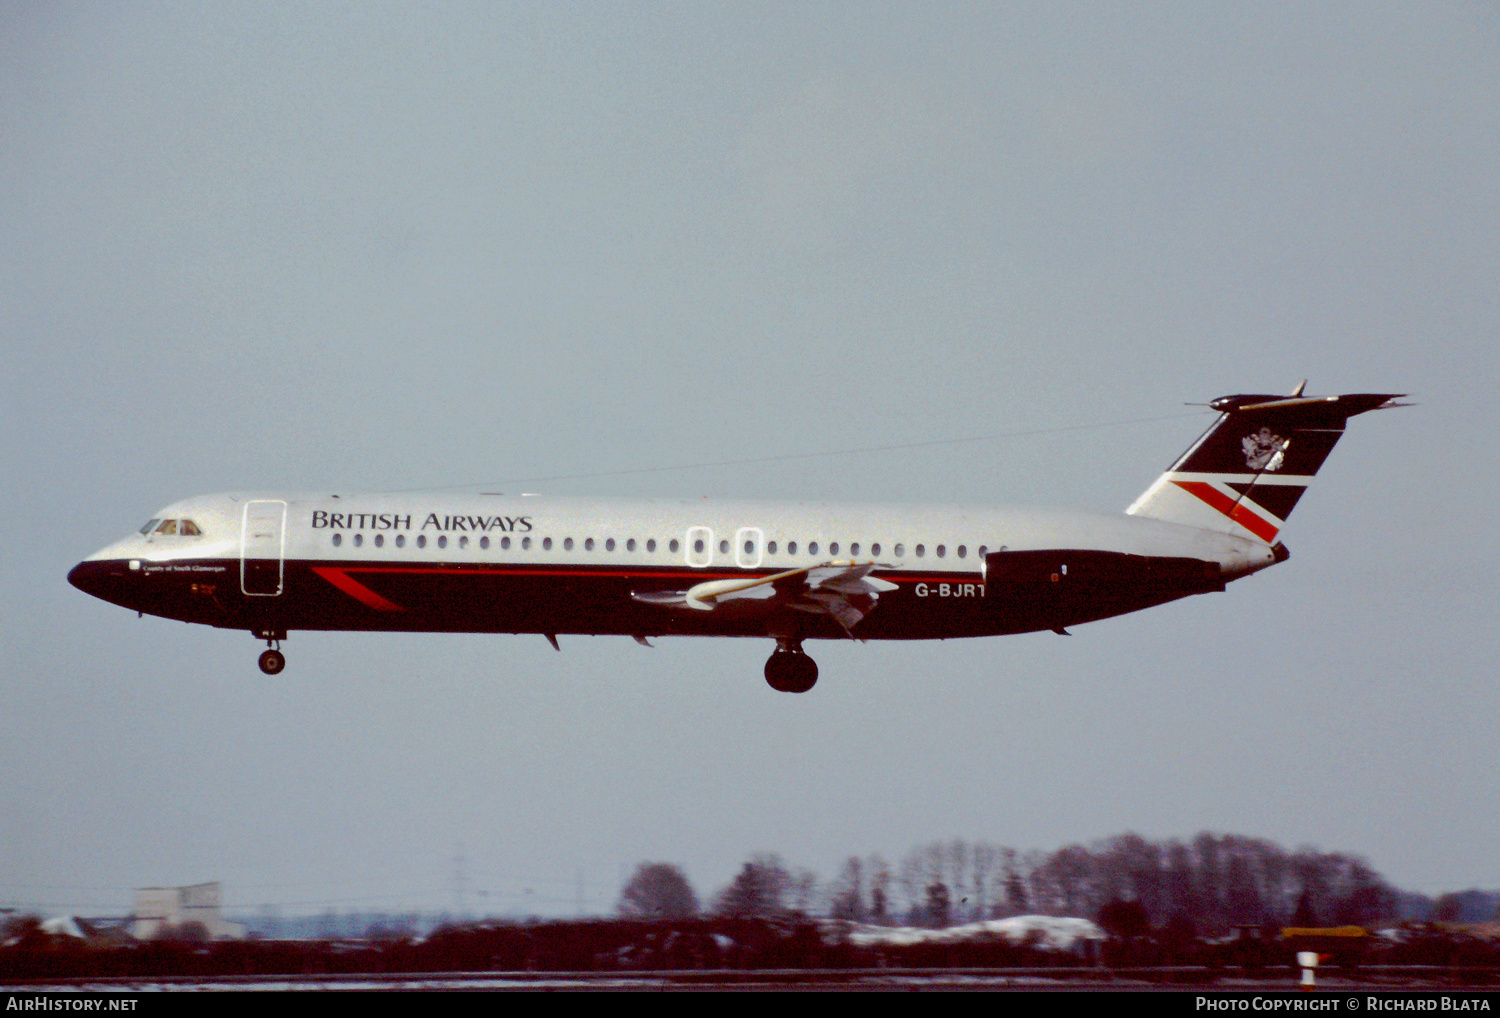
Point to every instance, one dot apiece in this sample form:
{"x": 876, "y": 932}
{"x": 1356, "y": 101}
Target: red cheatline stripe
{"x": 357, "y": 590}
{"x": 1237, "y": 511}
{"x": 697, "y": 576}
{"x": 340, "y": 578}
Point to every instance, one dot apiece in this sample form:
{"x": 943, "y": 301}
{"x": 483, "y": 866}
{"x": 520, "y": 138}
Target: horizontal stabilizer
{"x": 1308, "y": 409}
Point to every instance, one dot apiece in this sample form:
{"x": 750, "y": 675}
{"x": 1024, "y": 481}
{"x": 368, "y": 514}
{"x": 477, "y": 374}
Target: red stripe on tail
{"x": 1237, "y": 511}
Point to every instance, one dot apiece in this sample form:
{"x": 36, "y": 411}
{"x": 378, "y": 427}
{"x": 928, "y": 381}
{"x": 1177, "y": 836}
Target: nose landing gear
{"x": 789, "y": 670}
{"x": 272, "y": 661}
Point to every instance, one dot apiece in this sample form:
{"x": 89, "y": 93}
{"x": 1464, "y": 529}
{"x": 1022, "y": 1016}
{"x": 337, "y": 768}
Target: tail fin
{"x": 1252, "y": 465}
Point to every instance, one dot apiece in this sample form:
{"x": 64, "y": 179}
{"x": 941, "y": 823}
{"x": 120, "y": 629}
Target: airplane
{"x": 270, "y": 563}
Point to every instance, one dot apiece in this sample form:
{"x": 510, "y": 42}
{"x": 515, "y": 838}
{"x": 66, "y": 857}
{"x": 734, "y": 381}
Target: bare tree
{"x": 880, "y": 889}
{"x": 1360, "y": 895}
{"x": 910, "y": 881}
{"x": 1129, "y": 869}
{"x": 658, "y": 890}
{"x": 1017, "y": 897}
{"x": 1180, "y": 890}
{"x": 984, "y": 860}
{"x": 802, "y": 890}
{"x": 1069, "y": 877}
{"x": 957, "y": 875}
{"x": 847, "y": 898}
{"x": 759, "y": 889}
{"x": 939, "y": 905}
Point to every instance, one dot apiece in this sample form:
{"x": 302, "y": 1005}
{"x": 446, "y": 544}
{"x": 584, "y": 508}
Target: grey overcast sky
{"x": 379, "y": 246}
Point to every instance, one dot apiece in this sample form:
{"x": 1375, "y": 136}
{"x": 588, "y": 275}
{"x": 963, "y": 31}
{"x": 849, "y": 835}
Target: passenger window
{"x": 380, "y": 540}
{"x": 833, "y": 549}
{"x": 875, "y": 548}
{"x": 525, "y": 543}
{"x": 443, "y": 541}
{"x": 338, "y": 539}
{"x": 401, "y": 540}
{"x": 630, "y": 545}
{"x": 941, "y": 551}
{"x": 900, "y": 550}
{"x": 421, "y": 540}
{"x": 609, "y": 544}
{"x": 546, "y": 544}
{"x": 921, "y": 550}
{"x": 463, "y": 542}
{"x": 567, "y": 544}
{"x": 854, "y": 548}
{"x": 963, "y": 552}
{"x": 791, "y": 547}
{"x": 812, "y": 547}
{"x": 723, "y": 547}
{"x": 770, "y": 547}
{"x": 359, "y": 539}
{"x": 673, "y": 546}
{"x": 484, "y": 542}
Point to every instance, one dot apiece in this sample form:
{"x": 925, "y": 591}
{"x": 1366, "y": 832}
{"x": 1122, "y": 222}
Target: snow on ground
{"x": 65, "y": 926}
{"x": 1050, "y": 932}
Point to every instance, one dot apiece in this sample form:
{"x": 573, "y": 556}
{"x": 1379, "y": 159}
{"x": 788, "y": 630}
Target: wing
{"x": 844, "y": 590}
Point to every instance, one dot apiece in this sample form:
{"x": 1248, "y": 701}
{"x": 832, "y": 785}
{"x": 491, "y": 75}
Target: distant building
{"x": 169, "y": 911}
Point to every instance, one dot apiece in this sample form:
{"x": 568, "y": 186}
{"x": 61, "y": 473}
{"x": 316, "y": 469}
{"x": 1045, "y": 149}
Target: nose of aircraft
{"x": 80, "y": 576}
{"x": 105, "y": 580}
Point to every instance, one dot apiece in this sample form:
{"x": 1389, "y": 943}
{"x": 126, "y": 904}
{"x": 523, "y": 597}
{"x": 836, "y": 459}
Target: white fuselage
{"x": 496, "y": 563}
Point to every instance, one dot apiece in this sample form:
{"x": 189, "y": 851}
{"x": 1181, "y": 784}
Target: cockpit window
{"x": 185, "y": 528}
{"x": 150, "y": 525}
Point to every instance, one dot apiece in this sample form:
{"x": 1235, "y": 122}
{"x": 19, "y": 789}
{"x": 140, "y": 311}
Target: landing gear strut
{"x": 789, "y": 670}
{"x": 272, "y": 661}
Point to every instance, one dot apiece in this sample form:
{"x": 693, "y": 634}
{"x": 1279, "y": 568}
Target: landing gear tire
{"x": 272, "y": 662}
{"x": 791, "y": 671}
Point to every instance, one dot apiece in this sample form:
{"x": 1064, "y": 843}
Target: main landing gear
{"x": 789, "y": 670}
{"x": 272, "y": 661}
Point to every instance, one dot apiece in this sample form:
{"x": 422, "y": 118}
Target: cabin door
{"x": 262, "y": 547}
